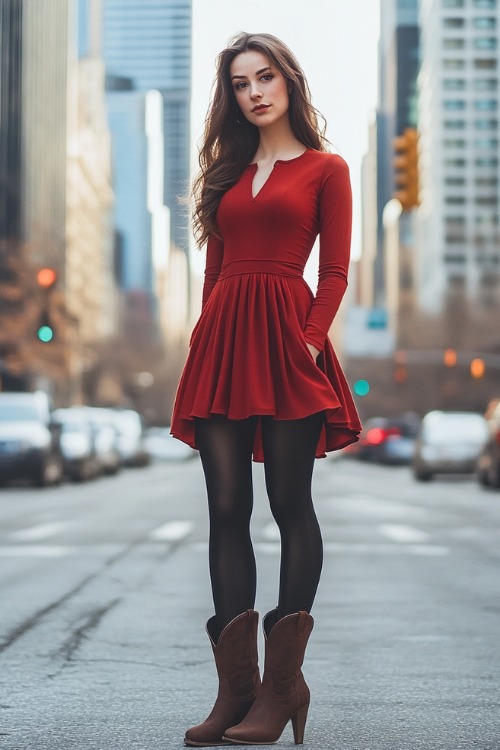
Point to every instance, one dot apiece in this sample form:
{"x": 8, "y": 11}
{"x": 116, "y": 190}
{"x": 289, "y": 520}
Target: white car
{"x": 449, "y": 442}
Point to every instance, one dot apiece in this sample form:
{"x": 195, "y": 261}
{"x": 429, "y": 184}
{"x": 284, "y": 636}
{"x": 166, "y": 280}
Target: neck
{"x": 278, "y": 140}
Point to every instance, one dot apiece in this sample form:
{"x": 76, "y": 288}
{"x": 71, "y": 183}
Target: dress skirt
{"x": 248, "y": 356}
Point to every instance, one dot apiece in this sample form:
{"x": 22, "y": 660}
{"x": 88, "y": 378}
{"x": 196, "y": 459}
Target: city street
{"x": 104, "y": 591}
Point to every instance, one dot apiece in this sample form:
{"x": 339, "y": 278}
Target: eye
{"x": 239, "y": 86}
{"x": 267, "y": 77}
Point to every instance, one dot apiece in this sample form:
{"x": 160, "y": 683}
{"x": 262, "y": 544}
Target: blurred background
{"x": 102, "y": 105}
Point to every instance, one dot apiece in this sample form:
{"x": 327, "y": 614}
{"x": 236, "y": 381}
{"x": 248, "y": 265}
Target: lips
{"x": 260, "y": 107}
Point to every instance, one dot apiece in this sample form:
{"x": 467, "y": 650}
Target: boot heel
{"x": 299, "y": 724}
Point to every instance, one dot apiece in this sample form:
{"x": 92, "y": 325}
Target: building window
{"x": 454, "y": 84}
{"x": 486, "y": 181}
{"x": 486, "y": 124}
{"x": 455, "y": 163}
{"x": 454, "y": 143}
{"x": 486, "y": 84}
{"x": 485, "y": 22}
{"x": 486, "y": 104}
{"x": 455, "y": 239}
{"x": 486, "y": 220}
{"x": 453, "y": 3}
{"x": 485, "y": 42}
{"x": 485, "y": 3}
{"x": 486, "y": 200}
{"x": 453, "y": 23}
{"x": 485, "y": 64}
{"x": 453, "y": 64}
{"x": 454, "y": 124}
{"x": 455, "y": 104}
{"x": 453, "y": 43}
{"x": 452, "y": 221}
{"x": 486, "y": 143}
{"x": 455, "y": 200}
{"x": 455, "y": 181}
{"x": 454, "y": 258}
{"x": 484, "y": 161}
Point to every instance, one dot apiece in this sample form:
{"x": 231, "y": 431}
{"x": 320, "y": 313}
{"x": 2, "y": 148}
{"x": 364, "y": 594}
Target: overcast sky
{"x": 335, "y": 42}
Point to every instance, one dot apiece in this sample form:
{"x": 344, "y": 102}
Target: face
{"x": 259, "y": 87}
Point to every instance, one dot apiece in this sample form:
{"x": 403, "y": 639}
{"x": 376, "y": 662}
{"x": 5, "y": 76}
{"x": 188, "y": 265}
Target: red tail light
{"x": 378, "y": 435}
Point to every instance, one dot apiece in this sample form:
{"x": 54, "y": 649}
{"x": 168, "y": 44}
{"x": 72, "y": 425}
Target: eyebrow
{"x": 262, "y": 70}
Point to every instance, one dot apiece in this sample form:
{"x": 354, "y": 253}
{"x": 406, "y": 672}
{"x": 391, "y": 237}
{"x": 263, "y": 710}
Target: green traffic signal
{"x": 361, "y": 388}
{"x": 45, "y": 334}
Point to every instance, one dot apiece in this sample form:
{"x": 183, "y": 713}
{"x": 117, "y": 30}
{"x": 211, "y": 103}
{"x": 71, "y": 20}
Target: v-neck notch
{"x": 276, "y": 163}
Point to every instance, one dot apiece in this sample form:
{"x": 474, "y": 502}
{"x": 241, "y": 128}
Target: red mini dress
{"x": 248, "y": 352}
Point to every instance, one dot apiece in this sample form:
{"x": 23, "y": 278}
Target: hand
{"x": 313, "y": 351}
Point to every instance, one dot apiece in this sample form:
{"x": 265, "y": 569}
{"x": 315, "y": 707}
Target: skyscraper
{"x": 148, "y": 42}
{"x": 458, "y": 247}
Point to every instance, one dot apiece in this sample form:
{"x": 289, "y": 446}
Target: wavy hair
{"x": 228, "y": 146}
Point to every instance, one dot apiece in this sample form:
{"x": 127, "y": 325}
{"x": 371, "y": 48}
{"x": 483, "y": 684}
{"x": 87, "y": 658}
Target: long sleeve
{"x": 215, "y": 252}
{"x": 335, "y": 221}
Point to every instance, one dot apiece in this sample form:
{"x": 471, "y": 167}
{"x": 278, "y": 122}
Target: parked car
{"x": 105, "y": 436}
{"x": 130, "y": 444}
{"x": 29, "y": 439}
{"x": 387, "y": 440}
{"x": 162, "y": 446}
{"x": 77, "y": 445}
{"x": 488, "y": 463}
{"x": 449, "y": 442}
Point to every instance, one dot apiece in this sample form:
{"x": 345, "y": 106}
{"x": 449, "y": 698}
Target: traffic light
{"x": 46, "y": 279}
{"x": 405, "y": 164}
{"x": 361, "y": 387}
{"x": 450, "y": 357}
{"x": 477, "y": 368}
{"x": 400, "y": 372}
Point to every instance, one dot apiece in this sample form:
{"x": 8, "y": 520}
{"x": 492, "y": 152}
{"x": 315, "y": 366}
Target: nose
{"x": 255, "y": 92}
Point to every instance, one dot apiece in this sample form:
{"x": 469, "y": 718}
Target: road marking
{"x": 403, "y": 534}
{"x": 41, "y": 531}
{"x": 39, "y": 550}
{"x": 173, "y": 531}
{"x": 271, "y": 532}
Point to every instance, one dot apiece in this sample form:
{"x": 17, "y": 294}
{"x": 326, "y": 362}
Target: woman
{"x": 261, "y": 378}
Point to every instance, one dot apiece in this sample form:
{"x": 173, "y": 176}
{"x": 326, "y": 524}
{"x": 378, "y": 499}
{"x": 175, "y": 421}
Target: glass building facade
{"x": 148, "y": 42}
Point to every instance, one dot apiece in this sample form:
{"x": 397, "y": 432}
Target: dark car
{"x": 29, "y": 439}
{"x": 488, "y": 463}
{"x": 388, "y": 440}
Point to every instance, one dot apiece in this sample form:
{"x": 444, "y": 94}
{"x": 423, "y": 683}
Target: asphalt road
{"x": 104, "y": 595}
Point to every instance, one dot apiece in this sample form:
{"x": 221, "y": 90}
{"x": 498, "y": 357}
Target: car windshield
{"x": 456, "y": 429}
{"x": 18, "y": 413}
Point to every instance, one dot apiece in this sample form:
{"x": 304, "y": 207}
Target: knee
{"x": 230, "y": 510}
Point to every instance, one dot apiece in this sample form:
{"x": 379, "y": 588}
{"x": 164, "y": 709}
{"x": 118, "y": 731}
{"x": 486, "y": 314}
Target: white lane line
{"x": 404, "y": 534}
{"x": 39, "y": 550}
{"x": 270, "y": 532}
{"x": 173, "y": 531}
{"x": 41, "y": 531}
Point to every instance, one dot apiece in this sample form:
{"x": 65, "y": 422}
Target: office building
{"x": 458, "y": 242}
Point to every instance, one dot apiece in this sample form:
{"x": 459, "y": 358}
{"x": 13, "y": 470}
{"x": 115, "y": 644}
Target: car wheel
{"x": 50, "y": 472}
{"x": 422, "y": 476}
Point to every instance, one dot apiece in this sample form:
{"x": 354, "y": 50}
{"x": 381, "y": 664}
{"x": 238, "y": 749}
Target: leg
{"x": 289, "y": 450}
{"x": 289, "y": 453}
{"x": 226, "y": 449}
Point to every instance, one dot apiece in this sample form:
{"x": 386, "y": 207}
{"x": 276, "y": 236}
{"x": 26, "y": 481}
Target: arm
{"x": 335, "y": 219}
{"x": 215, "y": 252}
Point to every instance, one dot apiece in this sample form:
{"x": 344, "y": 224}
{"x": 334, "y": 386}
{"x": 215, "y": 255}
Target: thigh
{"x": 289, "y": 452}
{"x": 225, "y": 447}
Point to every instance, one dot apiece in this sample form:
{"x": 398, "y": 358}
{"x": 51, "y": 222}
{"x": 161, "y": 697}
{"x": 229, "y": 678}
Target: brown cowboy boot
{"x": 284, "y": 694}
{"x": 236, "y": 662}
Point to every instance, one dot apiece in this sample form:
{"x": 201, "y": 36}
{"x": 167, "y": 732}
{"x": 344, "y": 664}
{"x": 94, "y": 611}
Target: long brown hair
{"x": 230, "y": 141}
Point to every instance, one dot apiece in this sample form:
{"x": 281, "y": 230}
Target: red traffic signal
{"x": 405, "y": 163}
{"x": 46, "y": 278}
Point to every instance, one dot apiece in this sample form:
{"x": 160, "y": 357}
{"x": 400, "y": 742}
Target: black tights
{"x": 289, "y": 449}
